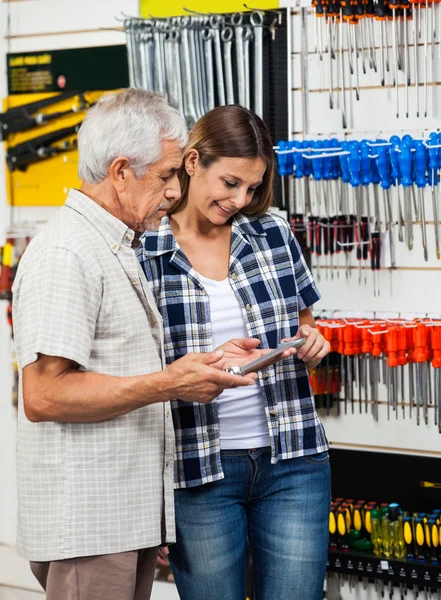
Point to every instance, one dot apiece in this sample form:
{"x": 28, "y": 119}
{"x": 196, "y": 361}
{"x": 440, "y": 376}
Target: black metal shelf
{"x": 396, "y": 571}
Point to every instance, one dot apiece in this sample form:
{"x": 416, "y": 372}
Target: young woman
{"x": 252, "y": 465}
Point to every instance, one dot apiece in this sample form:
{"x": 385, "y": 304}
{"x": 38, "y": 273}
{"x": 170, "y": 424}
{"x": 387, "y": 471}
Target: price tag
{"x": 384, "y": 565}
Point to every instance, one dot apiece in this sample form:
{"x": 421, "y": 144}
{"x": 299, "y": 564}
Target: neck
{"x": 190, "y": 220}
{"x": 105, "y": 195}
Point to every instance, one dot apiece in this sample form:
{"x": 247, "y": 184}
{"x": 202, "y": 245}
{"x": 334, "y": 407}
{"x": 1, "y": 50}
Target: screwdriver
{"x": 342, "y": 530}
{"x": 402, "y": 360}
{"x": 434, "y": 181}
{"x": 436, "y": 364}
{"x": 396, "y": 177}
{"x": 408, "y": 538}
{"x": 419, "y": 539}
{"x": 421, "y": 182}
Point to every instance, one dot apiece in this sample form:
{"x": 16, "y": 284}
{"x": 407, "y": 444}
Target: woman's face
{"x": 224, "y": 188}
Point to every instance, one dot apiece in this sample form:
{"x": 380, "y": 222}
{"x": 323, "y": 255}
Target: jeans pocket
{"x": 322, "y": 458}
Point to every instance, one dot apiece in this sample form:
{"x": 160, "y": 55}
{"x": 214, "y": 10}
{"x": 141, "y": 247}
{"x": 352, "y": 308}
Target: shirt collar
{"x": 114, "y": 231}
{"x": 162, "y": 241}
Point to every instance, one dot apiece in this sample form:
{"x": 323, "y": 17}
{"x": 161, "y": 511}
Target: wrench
{"x": 160, "y": 84}
{"x": 215, "y": 22}
{"x": 248, "y": 34}
{"x": 227, "y": 36}
{"x": 190, "y": 114}
{"x": 130, "y": 49}
{"x": 176, "y": 98}
{"x": 236, "y": 21}
{"x": 194, "y": 69}
{"x": 257, "y": 19}
{"x": 207, "y": 37}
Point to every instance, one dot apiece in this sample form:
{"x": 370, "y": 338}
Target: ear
{"x": 119, "y": 171}
{"x": 191, "y": 161}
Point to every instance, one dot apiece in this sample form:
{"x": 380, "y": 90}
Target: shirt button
{"x": 248, "y": 307}
{"x": 135, "y": 281}
{"x": 265, "y": 376}
{"x": 274, "y": 412}
{"x": 234, "y": 276}
{"x": 129, "y": 237}
{"x": 167, "y": 464}
{"x": 115, "y": 247}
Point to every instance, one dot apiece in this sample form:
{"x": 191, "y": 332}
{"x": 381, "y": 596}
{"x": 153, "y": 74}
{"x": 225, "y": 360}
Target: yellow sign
{"x": 45, "y": 182}
{"x": 174, "y": 8}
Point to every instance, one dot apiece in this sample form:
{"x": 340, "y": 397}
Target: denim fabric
{"x": 282, "y": 509}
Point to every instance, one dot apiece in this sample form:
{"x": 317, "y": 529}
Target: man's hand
{"x": 315, "y": 347}
{"x": 200, "y": 377}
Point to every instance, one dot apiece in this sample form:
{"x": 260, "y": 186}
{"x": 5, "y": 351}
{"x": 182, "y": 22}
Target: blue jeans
{"x": 283, "y": 511}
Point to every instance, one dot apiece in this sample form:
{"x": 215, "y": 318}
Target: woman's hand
{"x": 315, "y": 347}
{"x": 238, "y": 352}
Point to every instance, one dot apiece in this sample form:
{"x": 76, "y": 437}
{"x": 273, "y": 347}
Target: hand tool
{"x": 237, "y": 21}
{"x": 405, "y": 161}
{"x": 396, "y": 177}
{"x": 215, "y": 23}
{"x": 257, "y": 20}
{"x": 227, "y": 37}
{"x": 393, "y": 5}
{"x": 29, "y": 115}
{"x": 40, "y": 148}
{"x": 433, "y": 165}
{"x": 421, "y": 182}
{"x": 436, "y": 364}
{"x": 342, "y": 73}
{"x": 419, "y": 340}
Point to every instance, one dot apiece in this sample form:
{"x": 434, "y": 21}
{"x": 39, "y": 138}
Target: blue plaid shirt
{"x": 272, "y": 282}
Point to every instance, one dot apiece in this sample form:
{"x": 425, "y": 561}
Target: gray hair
{"x": 131, "y": 123}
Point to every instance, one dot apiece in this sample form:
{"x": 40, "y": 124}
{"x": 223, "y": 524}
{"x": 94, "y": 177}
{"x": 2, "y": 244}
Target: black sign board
{"x": 98, "y": 68}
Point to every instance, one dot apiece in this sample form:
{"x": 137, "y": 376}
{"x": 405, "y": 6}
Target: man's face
{"x": 146, "y": 200}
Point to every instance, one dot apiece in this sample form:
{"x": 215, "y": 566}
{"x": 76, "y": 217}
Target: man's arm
{"x": 54, "y": 389}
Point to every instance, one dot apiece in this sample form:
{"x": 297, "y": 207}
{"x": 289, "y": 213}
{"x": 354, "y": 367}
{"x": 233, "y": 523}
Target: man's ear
{"x": 120, "y": 172}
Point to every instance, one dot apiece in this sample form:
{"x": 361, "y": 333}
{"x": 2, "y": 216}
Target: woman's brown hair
{"x": 233, "y": 132}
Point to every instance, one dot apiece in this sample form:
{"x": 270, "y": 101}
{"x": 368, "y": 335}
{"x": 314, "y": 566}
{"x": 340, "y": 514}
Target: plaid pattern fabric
{"x": 91, "y": 488}
{"x": 270, "y": 277}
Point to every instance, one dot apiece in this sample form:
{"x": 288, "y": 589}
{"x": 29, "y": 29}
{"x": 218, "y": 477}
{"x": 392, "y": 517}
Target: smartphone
{"x": 259, "y": 363}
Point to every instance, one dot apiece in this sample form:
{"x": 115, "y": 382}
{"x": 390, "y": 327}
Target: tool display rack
{"x": 388, "y": 570}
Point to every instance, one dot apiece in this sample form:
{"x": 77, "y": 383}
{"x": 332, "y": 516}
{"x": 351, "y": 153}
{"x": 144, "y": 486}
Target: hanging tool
{"x": 20, "y": 156}
{"x": 342, "y": 74}
{"x": 421, "y": 182}
{"x": 257, "y": 19}
{"x": 433, "y": 165}
{"x": 27, "y": 116}
{"x": 393, "y": 5}
{"x": 436, "y": 365}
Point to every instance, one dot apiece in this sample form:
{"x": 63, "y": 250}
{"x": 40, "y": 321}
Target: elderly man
{"x": 95, "y": 435}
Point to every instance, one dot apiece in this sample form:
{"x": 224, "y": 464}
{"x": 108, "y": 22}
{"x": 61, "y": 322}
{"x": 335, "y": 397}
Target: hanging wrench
{"x": 215, "y": 22}
{"x": 130, "y": 49}
{"x": 195, "y": 68}
{"x": 176, "y": 96}
{"x": 257, "y": 20}
{"x": 160, "y": 59}
{"x": 207, "y": 38}
{"x": 236, "y": 21}
{"x": 248, "y": 34}
{"x": 190, "y": 114}
{"x": 227, "y": 36}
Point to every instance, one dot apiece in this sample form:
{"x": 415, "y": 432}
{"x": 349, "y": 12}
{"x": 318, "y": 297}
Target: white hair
{"x": 131, "y": 123}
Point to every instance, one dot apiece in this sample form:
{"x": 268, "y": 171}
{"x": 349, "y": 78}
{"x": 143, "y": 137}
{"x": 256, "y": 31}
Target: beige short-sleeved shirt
{"x": 94, "y": 488}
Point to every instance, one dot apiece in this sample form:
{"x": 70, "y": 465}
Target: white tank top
{"x": 242, "y": 420}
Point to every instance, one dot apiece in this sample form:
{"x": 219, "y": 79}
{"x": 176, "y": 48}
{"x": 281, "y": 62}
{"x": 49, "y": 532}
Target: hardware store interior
{"x": 350, "y": 98}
